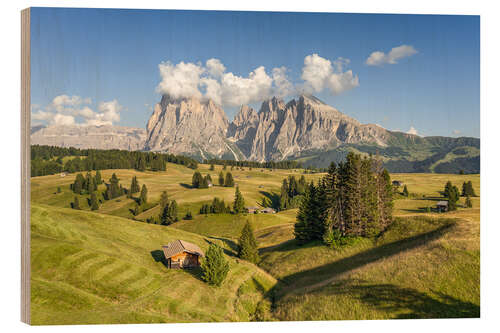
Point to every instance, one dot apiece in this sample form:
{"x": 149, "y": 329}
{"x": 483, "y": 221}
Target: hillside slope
{"x": 83, "y": 262}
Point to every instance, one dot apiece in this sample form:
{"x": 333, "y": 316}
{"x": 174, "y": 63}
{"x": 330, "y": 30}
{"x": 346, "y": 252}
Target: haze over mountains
{"x": 304, "y": 129}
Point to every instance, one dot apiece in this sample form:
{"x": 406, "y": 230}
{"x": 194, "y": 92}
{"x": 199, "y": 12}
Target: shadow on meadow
{"x": 403, "y": 303}
{"x": 305, "y": 280}
{"x": 270, "y": 199}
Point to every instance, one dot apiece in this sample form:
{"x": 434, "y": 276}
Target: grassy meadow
{"x": 106, "y": 266}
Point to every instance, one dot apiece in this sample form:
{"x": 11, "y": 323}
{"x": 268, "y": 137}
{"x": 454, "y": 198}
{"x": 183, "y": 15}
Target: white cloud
{"x": 215, "y": 67}
{"x": 64, "y": 109}
{"x": 318, "y": 74}
{"x": 181, "y": 80}
{"x": 456, "y": 132}
{"x": 412, "y": 130}
{"x": 379, "y": 58}
{"x": 184, "y": 80}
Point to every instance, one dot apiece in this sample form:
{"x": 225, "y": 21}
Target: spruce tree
{"x": 143, "y": 199}
{"x": 114, "y": 187}
{"x": 98, "y": 177}
{"x": 284, "y": 198}
{"x": 453, "y": 196}
{"x": 173, "y": 211}
{"x": 224, "y": 167}
{"x": 248, "y": 249}
{"x": 188, "y": 216}
{"x": 197, "y": 179}
{"x": 134, "y": 186}
{"x": 94, "y": 204}
{"x": 221, "y": 179}
{"x": 447, "y": 189}
{"x": 468, "y": 202}
{"x": 239, "y": 202}
{"x": 76, "y": 203}
{"x": 214, "y": 266}
{"x": 163, "y": 200}
{"x": 79, "y": 183}
{"x": 229, "y": 182}
{"x": 212, "y": 168}
{"x": 405, "y": 191}
{"x": 88, "y": 183}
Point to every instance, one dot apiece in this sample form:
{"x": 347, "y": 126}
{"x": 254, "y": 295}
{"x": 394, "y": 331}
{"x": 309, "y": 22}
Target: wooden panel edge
{"x": 25, "y": 166}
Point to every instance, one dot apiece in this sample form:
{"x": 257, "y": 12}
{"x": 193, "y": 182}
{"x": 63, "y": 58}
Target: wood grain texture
{"x": 25, "y": 165}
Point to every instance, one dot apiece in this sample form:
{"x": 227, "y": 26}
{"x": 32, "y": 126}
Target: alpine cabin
{"x": 181, "y": 254}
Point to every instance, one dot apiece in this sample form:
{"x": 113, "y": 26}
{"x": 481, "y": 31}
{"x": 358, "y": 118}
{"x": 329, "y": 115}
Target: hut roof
{"x": 179, "y": 246}
{"x": 442, "y": 203}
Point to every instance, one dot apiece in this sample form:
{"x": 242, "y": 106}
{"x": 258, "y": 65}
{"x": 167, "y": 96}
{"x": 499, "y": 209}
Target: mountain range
{"x": 304, "y": 129}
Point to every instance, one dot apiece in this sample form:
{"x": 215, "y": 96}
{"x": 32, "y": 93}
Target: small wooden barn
{"x": 181, "y": 254}
{"x": 268, "y": 210}
{"x": 397, "y": 183}
{"x": 252, "y": 210}
{"x": 442, "y": 206}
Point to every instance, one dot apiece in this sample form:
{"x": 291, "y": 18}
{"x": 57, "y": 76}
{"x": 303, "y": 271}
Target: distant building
{"x": 442, "y": 206}
{"x": 181, "y": 254}
{"x": 268, "y": 210}
{"x": 397, "y": 183}
{"x": 252, "y": 210}
{"x": 63, "y": 174}
{"x": 210, "y": 183}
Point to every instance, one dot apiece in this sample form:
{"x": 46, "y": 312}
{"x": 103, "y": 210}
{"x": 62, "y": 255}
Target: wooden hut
{"x": 442, "y": 206}
{"x": 252, "y": 210}
{"x": 181, "y": 254}
{"x": 397, "y": 183}
{"x": 268, "y": 210}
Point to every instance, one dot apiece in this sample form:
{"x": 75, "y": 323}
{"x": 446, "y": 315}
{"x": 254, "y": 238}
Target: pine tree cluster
{"x": 353, "y": 199}
{"x": 198, "y": 181}
{"x": 217, "y": 206}
{"x": 468, "y": 190}
{"x": 451, "y": 192}
{"x": 291, "y": 192}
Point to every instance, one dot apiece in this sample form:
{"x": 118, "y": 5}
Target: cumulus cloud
{"x": 412, "y": 130}
{"x": 184, "y": 80}
{"x": 64, "y": 110}
{"x": 319, "y": 73}
{"x": 379, "y": 58}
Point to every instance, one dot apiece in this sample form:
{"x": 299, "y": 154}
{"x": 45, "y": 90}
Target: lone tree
{"x": 229, "y": 182}
{"x": 143, "y": 199}
{"x": 248, "y": 249}
{"x": 113, "y": 189}
{"x": 221, "y": 178}
{"x": 214, "y": 266}
{"x": 239, "y": 202}
{"x": 75, "y": 204}
{"x": 94, "y": 204}
{"x": 163, "y": 200}
{"x": 453, "y": 196}
{"x": 134, "y": 186}
{"x": 212, "y": 168}
{"x": 405, "y": 191}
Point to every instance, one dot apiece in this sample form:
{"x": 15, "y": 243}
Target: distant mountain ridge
{"x": 304, "y": 129}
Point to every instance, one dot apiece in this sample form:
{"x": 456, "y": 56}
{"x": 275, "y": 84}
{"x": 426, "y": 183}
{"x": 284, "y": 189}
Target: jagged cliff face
{"x": 85, "y": 137}
{"x": 188, "y": 126}
{"x": 282, "y": 131}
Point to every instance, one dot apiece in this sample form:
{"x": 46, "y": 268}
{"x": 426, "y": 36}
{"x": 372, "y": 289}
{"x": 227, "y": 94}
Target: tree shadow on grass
{"x": 334, "y": 269}
{"x": 159, "y": 256}
{"x": 403, "y": 303}
{"x": 189, "y": 186}
{"x": 270, "y": 199}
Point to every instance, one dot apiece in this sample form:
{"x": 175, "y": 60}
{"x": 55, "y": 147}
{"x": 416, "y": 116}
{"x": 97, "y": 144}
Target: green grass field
{"x": 104, "y": 267}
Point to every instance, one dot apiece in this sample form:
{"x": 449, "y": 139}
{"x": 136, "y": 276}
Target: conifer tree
{"x": 229, "y": 182}
{"x": 143, "y": 199}
{"x": 248, "y": 249}
{"x": 221, "y": 179}
{"x": 94, "y": 204}
{"x": 224, "y": 167}
{"x": 79, "y": 184}
{"x": 447, "y": 189}
{"x": 173, "y": 211}
{"x": 284, "y": 198}
{"x": 188, "y": 216}
{"x": 453, "y": 196}
{"x": 98, "y": 177}
{"x": 405, "y": 191}
{"x": 134, "y": 186}
{"x": 214, "y": 266}
{"x": 239, "y": 202}
{"x": 163, "y": 200}
{"x": 59, "y": 189}
{"x": 197, "y": 179}
{"x": 212, "y": 168}
{"x": 76, "y": 203}
{"x": 88, "y": 182}
{"x": 114, "y": 187}
{"x": 468, "y": 202}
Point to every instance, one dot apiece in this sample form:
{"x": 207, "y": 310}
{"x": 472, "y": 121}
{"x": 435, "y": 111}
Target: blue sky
{"x": 113, "y": 56}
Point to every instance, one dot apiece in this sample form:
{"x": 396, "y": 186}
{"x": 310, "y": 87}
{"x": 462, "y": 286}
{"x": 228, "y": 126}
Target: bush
{"x": 214, "y": 266}
{"x": 188, "y": 216}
